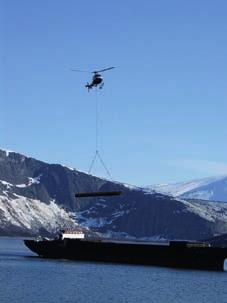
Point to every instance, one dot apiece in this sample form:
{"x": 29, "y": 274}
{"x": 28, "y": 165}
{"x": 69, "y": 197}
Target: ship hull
{"x": 207, "y": 258}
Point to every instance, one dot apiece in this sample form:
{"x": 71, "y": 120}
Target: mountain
{"x": 38, "y": 198}
{"x": 213, "y": 189}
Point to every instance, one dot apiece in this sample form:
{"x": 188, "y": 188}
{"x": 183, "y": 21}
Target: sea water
{"x": 26, "y": 278}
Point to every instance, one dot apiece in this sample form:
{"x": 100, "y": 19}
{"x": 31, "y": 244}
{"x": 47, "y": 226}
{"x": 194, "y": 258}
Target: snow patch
{"x": 129, "y": 186}
{"x": 211, "y": 211}
{"x": 31, "y": 181}
{"x": 8, "y": 185}
{"x": 31, "y": 214}
{"x": 68, "y": 167}
{"x": 90, "y": 222}
{"x": 200, "y": 194}
{"x": 120, "y": 213}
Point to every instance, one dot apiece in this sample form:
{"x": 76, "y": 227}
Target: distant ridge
{"x": 211, "y": 188}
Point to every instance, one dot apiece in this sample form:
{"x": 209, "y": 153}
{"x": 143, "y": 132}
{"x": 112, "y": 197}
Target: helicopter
{"x": 97, "y": 79}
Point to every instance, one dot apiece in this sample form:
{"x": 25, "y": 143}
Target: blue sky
{"x": 162, "y": 110}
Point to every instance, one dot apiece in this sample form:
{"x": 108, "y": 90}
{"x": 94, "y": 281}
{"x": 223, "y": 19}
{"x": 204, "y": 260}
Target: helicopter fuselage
{"x": 96, "y": 81}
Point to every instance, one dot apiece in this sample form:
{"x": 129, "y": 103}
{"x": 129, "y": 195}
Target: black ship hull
{"x": 178, "y": 256}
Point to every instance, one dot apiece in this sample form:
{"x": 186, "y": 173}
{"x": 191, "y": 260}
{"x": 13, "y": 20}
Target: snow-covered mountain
{"x": 37, "y": 197}
{"x": 212, "y": 188}
{"x": 20, "y": 215}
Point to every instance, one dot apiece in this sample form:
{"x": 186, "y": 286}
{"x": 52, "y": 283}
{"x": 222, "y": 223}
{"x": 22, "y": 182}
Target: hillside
{"x": 37, "y": 197}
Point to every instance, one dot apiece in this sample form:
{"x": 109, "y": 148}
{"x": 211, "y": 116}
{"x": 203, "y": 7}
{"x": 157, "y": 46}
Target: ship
{"x": 75, "y": 245}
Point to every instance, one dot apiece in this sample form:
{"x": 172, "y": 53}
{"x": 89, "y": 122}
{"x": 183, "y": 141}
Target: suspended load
{"x": 98, "y": 194}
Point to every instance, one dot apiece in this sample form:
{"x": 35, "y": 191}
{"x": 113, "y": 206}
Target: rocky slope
{"x": 36, "y": 197}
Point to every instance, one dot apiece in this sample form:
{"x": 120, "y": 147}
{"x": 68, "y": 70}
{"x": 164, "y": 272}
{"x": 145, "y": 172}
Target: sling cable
{"x": 97, "y": 156}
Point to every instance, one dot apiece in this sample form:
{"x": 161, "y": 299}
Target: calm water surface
{"x": 26, "y": 278}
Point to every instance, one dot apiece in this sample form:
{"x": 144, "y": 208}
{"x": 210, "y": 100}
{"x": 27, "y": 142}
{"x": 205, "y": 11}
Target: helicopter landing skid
{"x": 101, "y": 86}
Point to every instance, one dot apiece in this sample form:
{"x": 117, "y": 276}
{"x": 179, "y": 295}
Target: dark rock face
{"x": 143, "y": 215}
{"x": 136, "y": 213}
{"x": 55, "y": 181}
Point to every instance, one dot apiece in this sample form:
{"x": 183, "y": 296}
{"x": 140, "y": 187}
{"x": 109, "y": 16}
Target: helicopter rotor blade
{"x": 103, "y": 70}
{"x": 80, "y": 71}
